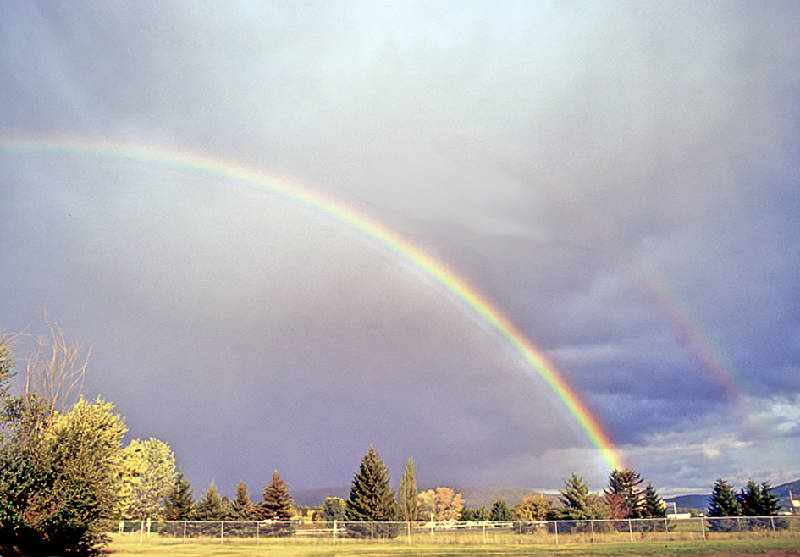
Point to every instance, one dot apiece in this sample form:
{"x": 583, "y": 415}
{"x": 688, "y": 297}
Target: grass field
{"x": 128, "y": 546}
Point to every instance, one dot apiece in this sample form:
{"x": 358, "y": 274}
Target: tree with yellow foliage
{"x": 147, "y": 475}
{"x": 443, "y": 503}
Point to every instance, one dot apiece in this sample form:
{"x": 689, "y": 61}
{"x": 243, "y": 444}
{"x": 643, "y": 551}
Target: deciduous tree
{"x": 536, "y": 507}
{"x": 148, "y": 477}
{"x": 408, "y": 493}
{"x": 333, "y": 509}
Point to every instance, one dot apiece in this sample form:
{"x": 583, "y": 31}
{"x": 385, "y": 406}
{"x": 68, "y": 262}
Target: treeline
{"x": 64, "y": 470}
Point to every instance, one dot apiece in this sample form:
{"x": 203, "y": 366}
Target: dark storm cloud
{"x": 594, "y": 169}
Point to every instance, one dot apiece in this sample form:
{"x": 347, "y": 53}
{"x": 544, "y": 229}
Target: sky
{"x": 619, "y": 179}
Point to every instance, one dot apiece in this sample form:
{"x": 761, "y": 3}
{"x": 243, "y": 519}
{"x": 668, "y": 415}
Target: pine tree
{"x": 370, "y": 493}
{"x": 758, "y": 500}
{"x": 500, "y": 511}
{"x": 209, "y": 507}
{"x": 577, "y": 502}
{"x": 408, "y": 493}
{"x": 653, "y": 504}
{"x": 769, "y": 501}
{"x": 243, "y": 508}
{"x": 227, "y": 509}
{"x": 723, "y": 500}
{"x": 180, "y": 499}
{"x": 626, "y": 483}
{"x": 277, "y": 504}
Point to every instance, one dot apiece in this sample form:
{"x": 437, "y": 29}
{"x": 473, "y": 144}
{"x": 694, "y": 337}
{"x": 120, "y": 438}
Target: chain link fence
{"x": 474, "y": 532}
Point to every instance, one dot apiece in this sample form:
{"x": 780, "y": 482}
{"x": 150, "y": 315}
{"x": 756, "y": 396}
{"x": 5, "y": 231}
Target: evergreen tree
{"x": 277, "y": 504}
{"x": 723, "y": 500}
{"x": 626, "y": 483}
{"x": 209, "y": 507}
{"x": 769, "y": 501}
{"x": 333, "y": 509}
{"x": 577, "y": 503}
{"x": 243, "y": 508}
{"x": 370, "y": 493}
{"x": 180, "y": 499}
{"x": 408, "y": 494}
{"x": 758, "y": 500}
{"x": 653, "y": 504}
{"x": 500, "y": 511}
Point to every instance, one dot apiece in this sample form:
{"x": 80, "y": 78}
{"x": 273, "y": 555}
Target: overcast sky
{"x": 620, "y": 179}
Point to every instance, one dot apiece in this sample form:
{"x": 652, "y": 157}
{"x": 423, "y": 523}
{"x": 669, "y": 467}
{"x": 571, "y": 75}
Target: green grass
{"x": 128, "y": 546}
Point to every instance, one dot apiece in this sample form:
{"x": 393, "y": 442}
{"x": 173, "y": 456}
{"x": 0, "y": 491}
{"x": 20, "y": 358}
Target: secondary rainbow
{"x": 282, "y": 187}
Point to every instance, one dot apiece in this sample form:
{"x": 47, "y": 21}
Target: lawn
{"x": 771, "y": 546}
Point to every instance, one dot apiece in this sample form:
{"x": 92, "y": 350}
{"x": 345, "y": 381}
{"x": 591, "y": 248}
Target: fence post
{"x": 141, "y": 531}
{"x": 484, "y": 532}
{"x": 703, "y": 526}
{"x": 666, "y": 528}
{"x": 222, "y": 531}
{"x": 258, "y": 526}
{"x": 184, "y": 531}
{"x": 408, "y": 531}
{"x": 630, "y": 528}
{"x": 334, "y": 532}
{"x": 591, "y": 523}
{"x": 555, "y": 527}
{"x": 772, "y": 521}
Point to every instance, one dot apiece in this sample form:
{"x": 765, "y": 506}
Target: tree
{"x": 209, "y": 507}
{"x": 227, "y": 509}
{"x": 537, "y": 507}
{"x": 653, "y": 506}
{"x": 242, "y": 506}
{"x": 59, "y": 475}
{"x": 577, "y": 503}
{"x": 442, "y": 504}
{"x": 408, "y": 494}
{"x": 58, "y": 464}
{"x": 277, "y": 504}
{"x": 180, "y": 499}
{"x": 626, "y": 482}
{"x": 370, "y": 493}
{"x": 333, "y": 509}
{"x": 148, "y": 476}
{"x": 756, "y": 500}
{"x": 500, "y": 511}
{"x": 723, "y": 500}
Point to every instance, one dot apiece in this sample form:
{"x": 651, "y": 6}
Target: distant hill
{"x": 314, "y": 497}
{"x": 473, "y": 496}
{"x": 700, "y": 501}
{"x": 694, "y": 501}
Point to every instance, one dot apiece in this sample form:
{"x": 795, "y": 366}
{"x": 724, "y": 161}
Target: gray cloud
{"x": 595, "y": 169}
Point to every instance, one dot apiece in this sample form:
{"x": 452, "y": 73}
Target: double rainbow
{"x": 436, "y": 270}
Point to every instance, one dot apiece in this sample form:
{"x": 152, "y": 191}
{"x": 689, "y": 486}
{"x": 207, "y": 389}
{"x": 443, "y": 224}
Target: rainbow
{"x": 436, "y": 270}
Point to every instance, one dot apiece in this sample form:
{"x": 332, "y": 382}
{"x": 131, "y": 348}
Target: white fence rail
{"x": 473, "y": 532}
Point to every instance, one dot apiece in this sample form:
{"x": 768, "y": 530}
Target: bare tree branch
{"x": 55, "y": 370}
